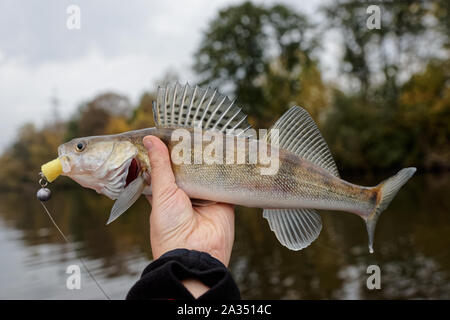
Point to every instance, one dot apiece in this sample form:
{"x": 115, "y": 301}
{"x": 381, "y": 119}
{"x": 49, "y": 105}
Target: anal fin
{"x": 294, "y": 228}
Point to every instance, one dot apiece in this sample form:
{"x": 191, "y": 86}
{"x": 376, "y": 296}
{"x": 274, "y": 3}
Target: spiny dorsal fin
{"x": 295, "y": 228}
{"x": 187, "y": 106}
{"x": 298, "y": 133}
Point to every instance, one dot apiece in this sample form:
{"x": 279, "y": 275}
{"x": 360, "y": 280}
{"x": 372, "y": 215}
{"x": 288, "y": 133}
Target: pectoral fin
{"x": 126, "y": 199}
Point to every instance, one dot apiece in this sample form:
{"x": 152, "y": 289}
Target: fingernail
{"x": 147, "y": 144}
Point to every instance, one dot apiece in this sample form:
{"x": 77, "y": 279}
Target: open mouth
{"x": 133, "y": 171}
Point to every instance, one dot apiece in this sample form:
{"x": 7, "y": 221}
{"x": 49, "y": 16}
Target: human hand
{"x": 174, "y": 222}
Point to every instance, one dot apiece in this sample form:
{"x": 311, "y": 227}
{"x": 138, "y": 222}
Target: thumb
{"x": 163, "y": 179}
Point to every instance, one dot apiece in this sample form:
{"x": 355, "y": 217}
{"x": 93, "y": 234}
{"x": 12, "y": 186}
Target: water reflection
{"x": 412, "y": 248}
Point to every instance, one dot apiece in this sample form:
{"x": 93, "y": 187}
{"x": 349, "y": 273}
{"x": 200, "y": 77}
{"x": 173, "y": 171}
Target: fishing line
{"x": 79, "y": 258}
{"x": 43, "y": 183}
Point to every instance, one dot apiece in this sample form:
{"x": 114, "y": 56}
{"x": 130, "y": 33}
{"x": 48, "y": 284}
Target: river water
{"x": 412, "y": 248}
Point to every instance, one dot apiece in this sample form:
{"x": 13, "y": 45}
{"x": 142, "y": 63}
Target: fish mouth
{"x": 133, "y": 172}
{"x": 65, "y": 163}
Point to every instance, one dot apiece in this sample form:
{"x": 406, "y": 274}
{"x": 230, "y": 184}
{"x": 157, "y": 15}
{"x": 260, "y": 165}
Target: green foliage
{"x": 425, "y": 109}
{"x": 20, "y": 163}
{"x": 143, "y": 115}
{"x": 388, "y": 52}
{"x": 370, "y": 128}
{"x": 412, "y": 130}
{"x": 107, "y": 113}
{"x": 94, "y": 117}
{"x": 241, "y": 45}
{"x": 362, "y": 135}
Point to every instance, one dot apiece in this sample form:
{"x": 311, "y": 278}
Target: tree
{"x": 425, "y": 110}
{"x": 93, "y": 117}
{"x": 21, "y": 162}
{"x": 143, "y": 114}
{"x": 242, "y": 44}
{"x": 381, "y": 58}
{"x": 303, "y": 87}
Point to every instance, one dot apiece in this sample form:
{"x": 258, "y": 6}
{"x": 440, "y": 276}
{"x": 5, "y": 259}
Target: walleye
{"x": 306, "y": 178}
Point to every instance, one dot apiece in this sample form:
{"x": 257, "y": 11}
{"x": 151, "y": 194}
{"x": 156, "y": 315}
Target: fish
{"x": 306, "y": 178}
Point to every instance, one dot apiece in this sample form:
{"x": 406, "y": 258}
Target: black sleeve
{"x": 162, "y": 278}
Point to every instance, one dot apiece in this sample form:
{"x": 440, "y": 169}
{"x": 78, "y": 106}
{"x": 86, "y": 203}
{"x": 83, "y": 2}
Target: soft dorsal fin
{"x": 295, "y": 228}
{"x": 187, "y": 106}
{"x": 298, "y": 133}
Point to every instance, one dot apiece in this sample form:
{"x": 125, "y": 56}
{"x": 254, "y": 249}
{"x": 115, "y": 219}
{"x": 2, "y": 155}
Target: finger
{"x": 163, "y": 179}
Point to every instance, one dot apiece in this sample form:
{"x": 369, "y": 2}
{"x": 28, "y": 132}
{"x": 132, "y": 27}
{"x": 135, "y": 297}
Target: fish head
{"x": 103, "y": 163}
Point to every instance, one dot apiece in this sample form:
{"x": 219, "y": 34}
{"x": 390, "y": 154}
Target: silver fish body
{"x": 298, "y": 183}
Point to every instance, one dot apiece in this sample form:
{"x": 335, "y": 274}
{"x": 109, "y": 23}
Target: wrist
{"x": 223, "y": 257}
{"x": 185, "y": 274}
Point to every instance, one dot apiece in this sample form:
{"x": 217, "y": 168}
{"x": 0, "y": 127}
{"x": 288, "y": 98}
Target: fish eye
{"x": 80, "y": 146}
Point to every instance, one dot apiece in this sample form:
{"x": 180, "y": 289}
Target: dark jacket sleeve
{"x": 162, "y": 278}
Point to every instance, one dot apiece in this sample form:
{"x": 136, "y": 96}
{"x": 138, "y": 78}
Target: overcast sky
{"x": 124, "y": 46}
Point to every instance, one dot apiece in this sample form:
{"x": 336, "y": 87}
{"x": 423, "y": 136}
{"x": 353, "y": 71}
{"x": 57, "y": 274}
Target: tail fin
{"x": 387, "y": 191}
